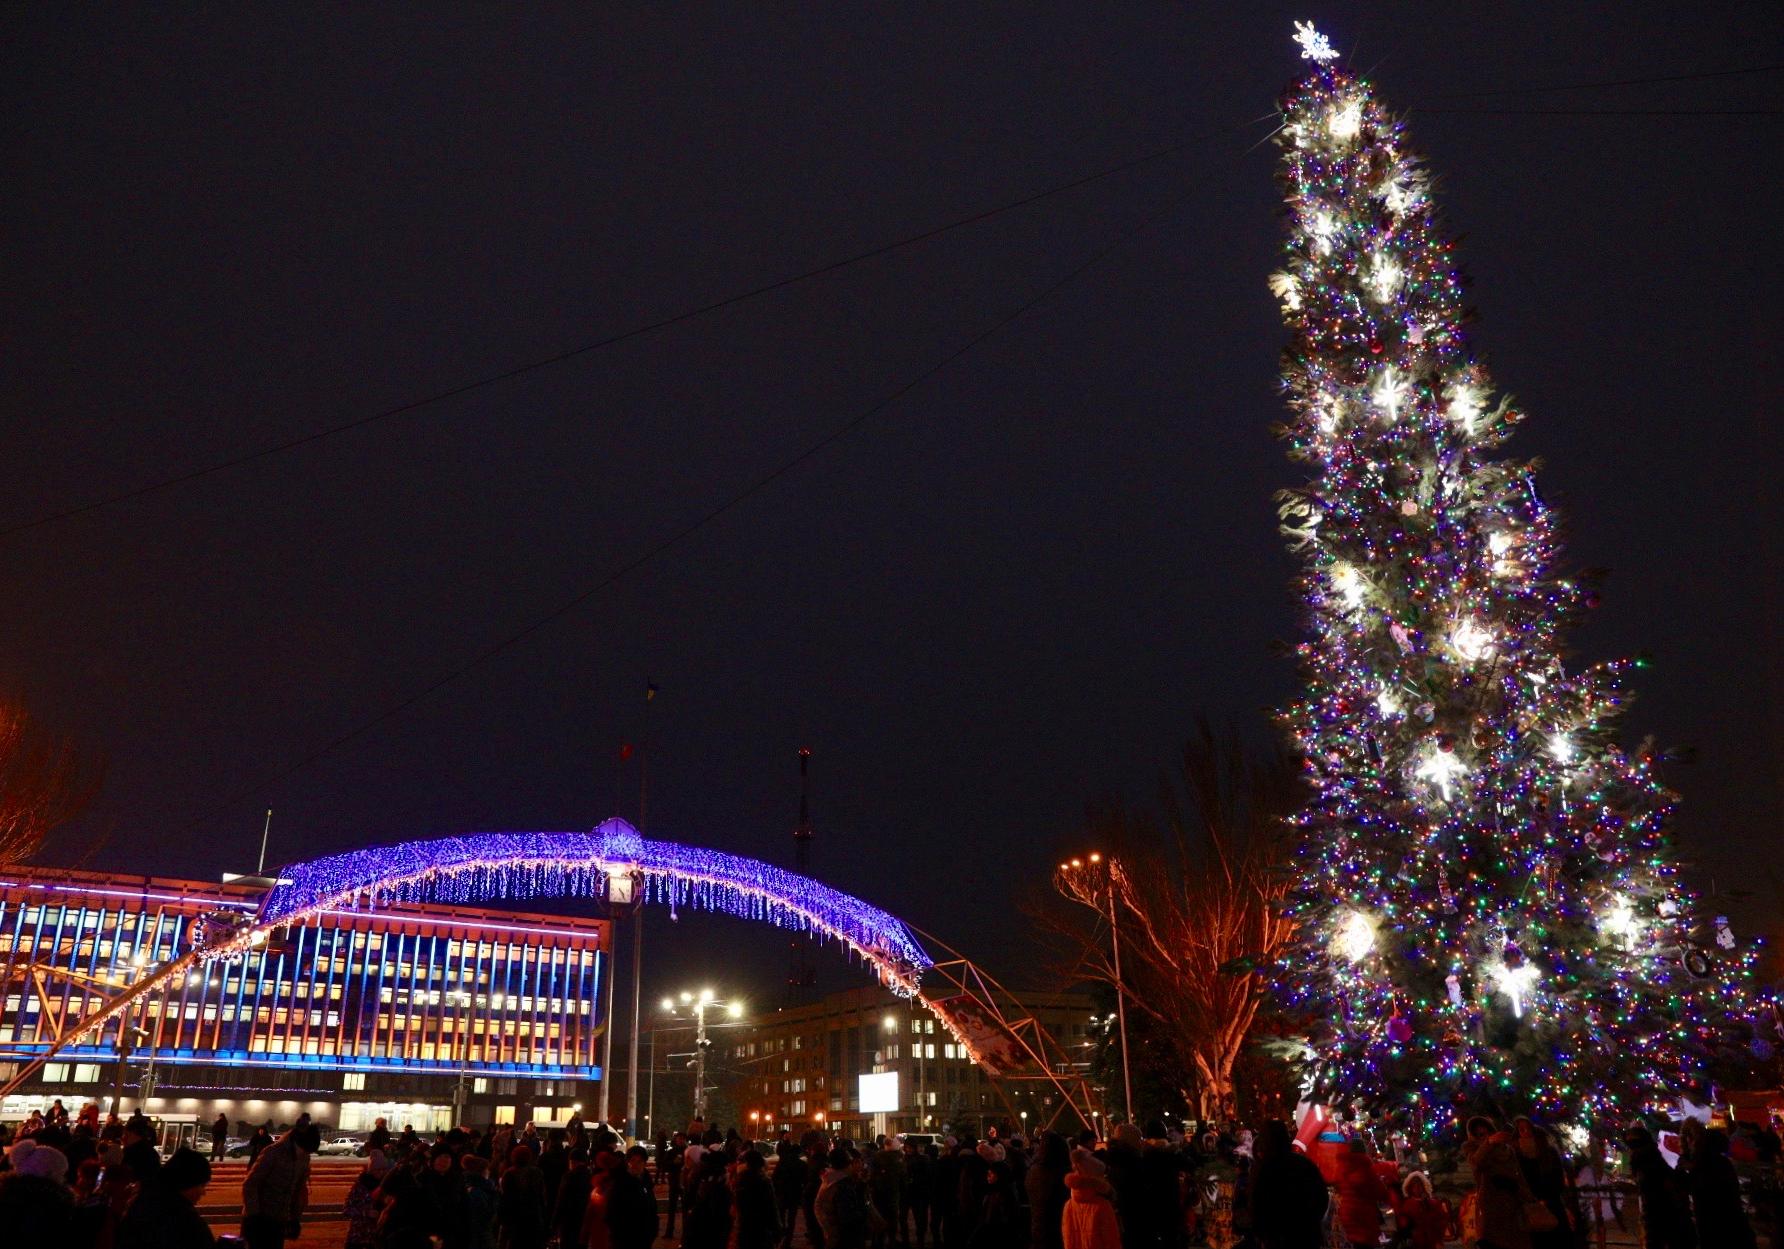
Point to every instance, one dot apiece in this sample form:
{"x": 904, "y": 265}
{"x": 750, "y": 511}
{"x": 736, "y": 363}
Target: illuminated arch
{"x": 488, "y": 866}
{"x": 987, "y": 1020}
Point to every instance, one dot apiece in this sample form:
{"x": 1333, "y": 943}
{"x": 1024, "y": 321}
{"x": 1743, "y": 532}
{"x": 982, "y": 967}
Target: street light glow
{"x": 891, "y": 1023}
{"x": 735, "y": 1010}
{"x": 687, "y": 997}
{"x": 668, "y": 1003}
{"x": 705, "y": 996}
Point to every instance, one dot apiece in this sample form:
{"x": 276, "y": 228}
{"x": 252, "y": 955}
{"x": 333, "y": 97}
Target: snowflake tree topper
{"x": 1314, "y": 46}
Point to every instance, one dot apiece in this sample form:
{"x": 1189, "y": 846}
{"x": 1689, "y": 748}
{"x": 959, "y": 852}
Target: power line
{"x": 689, "y": 530}
{"x": 1607, "y": 112}
{"x": 1619, "y": 82}
{"x": 611, "y": 340}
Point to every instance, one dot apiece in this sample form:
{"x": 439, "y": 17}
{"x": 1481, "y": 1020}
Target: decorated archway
{"x": 987, "y": 1020}
{"x": 487, "y": 867}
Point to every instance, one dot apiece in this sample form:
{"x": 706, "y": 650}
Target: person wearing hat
{"x": 277, "y": 1188}
{"x": 164, "y": 1214}
{"x": 362, "y": 1206}
{"x": 36, "y": 1208}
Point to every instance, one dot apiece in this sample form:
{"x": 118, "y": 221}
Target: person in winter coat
{"x": 573, "y": 1191}
{"x": 1499, "y": 1190}
{"x": 816, "y": 1162}
{"x": 1422, "y": 1220}
{"x": 596, "y": 1228}
{"x": 165, "y": 1212}
{"x": 1287, "y": 1194}
{"x": 1088, "y": 1220}
{"x": 790, "y": 1174}
{"x": 1045, "y": 1187}
{"x": 1545, "y": 1174}
{"x": 632, "y": 1203}
{"x": 919, "y": 1194}
{"x": 842, "y": 1205}
{"x": 481, "y": 1201}
{"x": 669, "y": 1159}
{"x": 1666, "y": 1209}
{"x": 1361, "y": 1195}
{"x": 758, "y": 1219}
{"x": 362, "y": 1206}
{"x": 886, "y": 1180}
{"x": 277, "y": 1188}
{"x": 708, "y": 1221}
{"x": 521, "y": 1212}
{"x": 1716, "y": 1196}
{"x": 36, "y": 1207}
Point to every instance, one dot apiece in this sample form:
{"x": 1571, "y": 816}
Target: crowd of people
{"x": 91, "y": 1184}
{"x": 85, "y": 1184}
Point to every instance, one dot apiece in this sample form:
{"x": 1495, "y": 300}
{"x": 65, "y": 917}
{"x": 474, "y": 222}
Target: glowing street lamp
{"x": 1080, "y": 879}
{"x": 699, "y": 1005}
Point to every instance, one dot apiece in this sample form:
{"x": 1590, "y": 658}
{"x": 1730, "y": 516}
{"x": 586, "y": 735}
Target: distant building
{"x": 801, "y": 1067}
{"x": 352, "y": 1016}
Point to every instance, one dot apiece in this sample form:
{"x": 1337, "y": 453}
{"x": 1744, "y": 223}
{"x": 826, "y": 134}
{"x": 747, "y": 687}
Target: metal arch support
{"x": 1043, "y": 1060}
{"x": 66, "y": 1032}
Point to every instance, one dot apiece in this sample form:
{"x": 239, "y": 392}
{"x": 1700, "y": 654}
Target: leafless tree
{"x": 44, "y": 782}
{"x": 1198, "y": 905}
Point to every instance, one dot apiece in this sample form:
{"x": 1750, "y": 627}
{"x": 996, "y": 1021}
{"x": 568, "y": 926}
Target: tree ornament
{"x": 1399, "y": 1028}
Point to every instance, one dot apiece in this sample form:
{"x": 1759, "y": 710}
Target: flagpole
{"x": 633, "y": 1125}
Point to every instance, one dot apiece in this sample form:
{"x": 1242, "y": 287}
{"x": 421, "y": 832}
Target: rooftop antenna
{"x": 265, "y": 832}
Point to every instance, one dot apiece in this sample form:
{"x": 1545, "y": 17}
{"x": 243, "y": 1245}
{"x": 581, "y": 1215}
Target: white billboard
{"x": 878, "y": 1092}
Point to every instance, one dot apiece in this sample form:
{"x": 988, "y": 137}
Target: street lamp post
{"x": 463, "y": 1001}
{"x": 698, "y": 1003}
{"x": 1067, "y": 878}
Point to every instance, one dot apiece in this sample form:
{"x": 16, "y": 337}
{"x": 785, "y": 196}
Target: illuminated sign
{"x": 879, "y": 1092}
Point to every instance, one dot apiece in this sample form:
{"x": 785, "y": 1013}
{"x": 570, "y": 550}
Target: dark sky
{"x": 1006, "y": 595}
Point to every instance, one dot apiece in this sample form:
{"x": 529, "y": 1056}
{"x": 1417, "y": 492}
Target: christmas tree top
{"x": 1490, "y": 918}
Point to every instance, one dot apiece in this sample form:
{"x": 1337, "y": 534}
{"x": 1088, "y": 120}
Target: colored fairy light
{"x": 486, "y": 866}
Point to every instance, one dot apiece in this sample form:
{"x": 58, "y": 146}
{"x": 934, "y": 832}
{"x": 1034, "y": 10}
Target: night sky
{"x": 1004, "y": 596}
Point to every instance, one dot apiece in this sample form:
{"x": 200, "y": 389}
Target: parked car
{"x": 339, "y": 1147}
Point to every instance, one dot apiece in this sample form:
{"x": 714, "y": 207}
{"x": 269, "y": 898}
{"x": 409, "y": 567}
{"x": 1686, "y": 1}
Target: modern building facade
{"x": 403, "y": 1012}
{"x": 801, "y": 1067}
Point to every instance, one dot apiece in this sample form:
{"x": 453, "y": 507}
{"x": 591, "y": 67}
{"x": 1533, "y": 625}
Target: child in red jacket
{"x": 1421, "y": 1220}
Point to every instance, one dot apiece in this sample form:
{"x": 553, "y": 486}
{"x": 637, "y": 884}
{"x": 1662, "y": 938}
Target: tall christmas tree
{"x": 1489, "y": 916}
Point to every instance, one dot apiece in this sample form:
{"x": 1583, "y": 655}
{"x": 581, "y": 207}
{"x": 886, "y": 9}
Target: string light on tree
{"x": 1438, "y": 724}
{"x": 1515, "y": 982}
{"x": 1356, "y": 936}
{"x": 1441, "y": 769}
